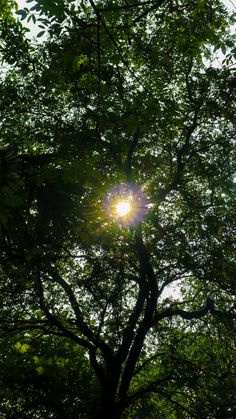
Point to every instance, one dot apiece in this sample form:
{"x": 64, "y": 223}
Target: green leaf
{"x": 40, "y": 370}
{"x": 41, "y": 33}
{"x": 18, "y": 346}
{"x": 22, "y": 13}
{"x": 223, "y": 49}
{"x": 24, "y": 348}
{"x": 36, "y": 359}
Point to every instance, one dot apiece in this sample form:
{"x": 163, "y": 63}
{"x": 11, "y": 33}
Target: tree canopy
{"x": 110, "y": 314}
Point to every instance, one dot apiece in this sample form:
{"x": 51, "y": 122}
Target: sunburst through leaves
{"x": 127, "y": 204}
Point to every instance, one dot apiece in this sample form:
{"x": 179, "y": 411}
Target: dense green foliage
{"x": 101, "y": 319}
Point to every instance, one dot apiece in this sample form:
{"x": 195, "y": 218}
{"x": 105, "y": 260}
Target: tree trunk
{"x": 109, "y": 410}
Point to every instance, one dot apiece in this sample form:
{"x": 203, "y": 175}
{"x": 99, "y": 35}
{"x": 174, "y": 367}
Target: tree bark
{"x": 109, "y": 408}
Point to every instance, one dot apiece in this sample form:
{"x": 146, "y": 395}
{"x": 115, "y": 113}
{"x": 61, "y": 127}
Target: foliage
{"x": 48, "y": 379}
{"x": 118, "y": 94}
{"x": 6, "y": 7}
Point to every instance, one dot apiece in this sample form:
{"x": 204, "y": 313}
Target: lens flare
{"x": 123, "y": 208}
{"x": 126, "y": 204}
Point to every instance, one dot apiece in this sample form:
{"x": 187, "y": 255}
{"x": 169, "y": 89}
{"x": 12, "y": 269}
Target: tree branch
{"x": 146, "y": 323}
{"x": 124, "y": 61}
{"x": 53, "y": 320}
{"x": 195, "y": 314}
{"x": 128, "y": 333}
{"x": 131, "y": 151}
{"x": 146, "y": 12}
{"x": 127, "y": 6}
{"x": 82, "y": 326}
{"x": 148, "y": 389}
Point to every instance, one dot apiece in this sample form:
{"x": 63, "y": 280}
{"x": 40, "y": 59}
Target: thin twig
{"x": 124, "y": 61}
{"x": 126, "y": 6}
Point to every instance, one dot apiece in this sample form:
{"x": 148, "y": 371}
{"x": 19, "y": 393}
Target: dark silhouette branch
{"x": 12, "y": 330}
{"x": 180, "y": 405}
{"x": 83, "y": 327}
{"x": 53, "y": 320}
{"x": 147, "y": 321}
{"x": 188, "y": 86}
{"x": 118, "y": 49}
{"x": 131, "y": 151}
{"x": 182, "y": 152}
{"x": 80, "y": 323}
{"x": 209, "y": 308}
{"x": 127, "y": 6}
{"x": 128, "y": 333}
{"x": 147, "y": 361}
{"x": 151, "y": 388}
{"x": 146, "y": 12}
{"x": 99, "y": 78}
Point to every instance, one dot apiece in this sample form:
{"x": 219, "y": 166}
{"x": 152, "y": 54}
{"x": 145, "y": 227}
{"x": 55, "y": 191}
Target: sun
{"x": 126, "y": 204}
{"x": 123, "y": 208}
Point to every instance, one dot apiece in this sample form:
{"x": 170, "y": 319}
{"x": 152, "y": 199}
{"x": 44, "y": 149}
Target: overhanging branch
{"x": 53, "y": 320}
{"x": 118, "y": 49}
{"x": 195, "y": 314}
{"x": 127, "y": 6}
{"x": 131, "y": 151}
{"x": 81, "y": 324}
{"x": 146, "y": 323}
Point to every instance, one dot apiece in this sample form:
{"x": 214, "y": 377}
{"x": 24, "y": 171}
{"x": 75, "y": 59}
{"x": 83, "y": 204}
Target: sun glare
{"x": 123, "y": 208}
{"x": 126, "y": 204}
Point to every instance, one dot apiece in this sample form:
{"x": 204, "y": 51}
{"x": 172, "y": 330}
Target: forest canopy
{"x": 117, "y": 209}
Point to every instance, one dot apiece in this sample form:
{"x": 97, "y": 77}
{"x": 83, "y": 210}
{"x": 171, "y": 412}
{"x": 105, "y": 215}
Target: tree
{"x": 121, "y": 100}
